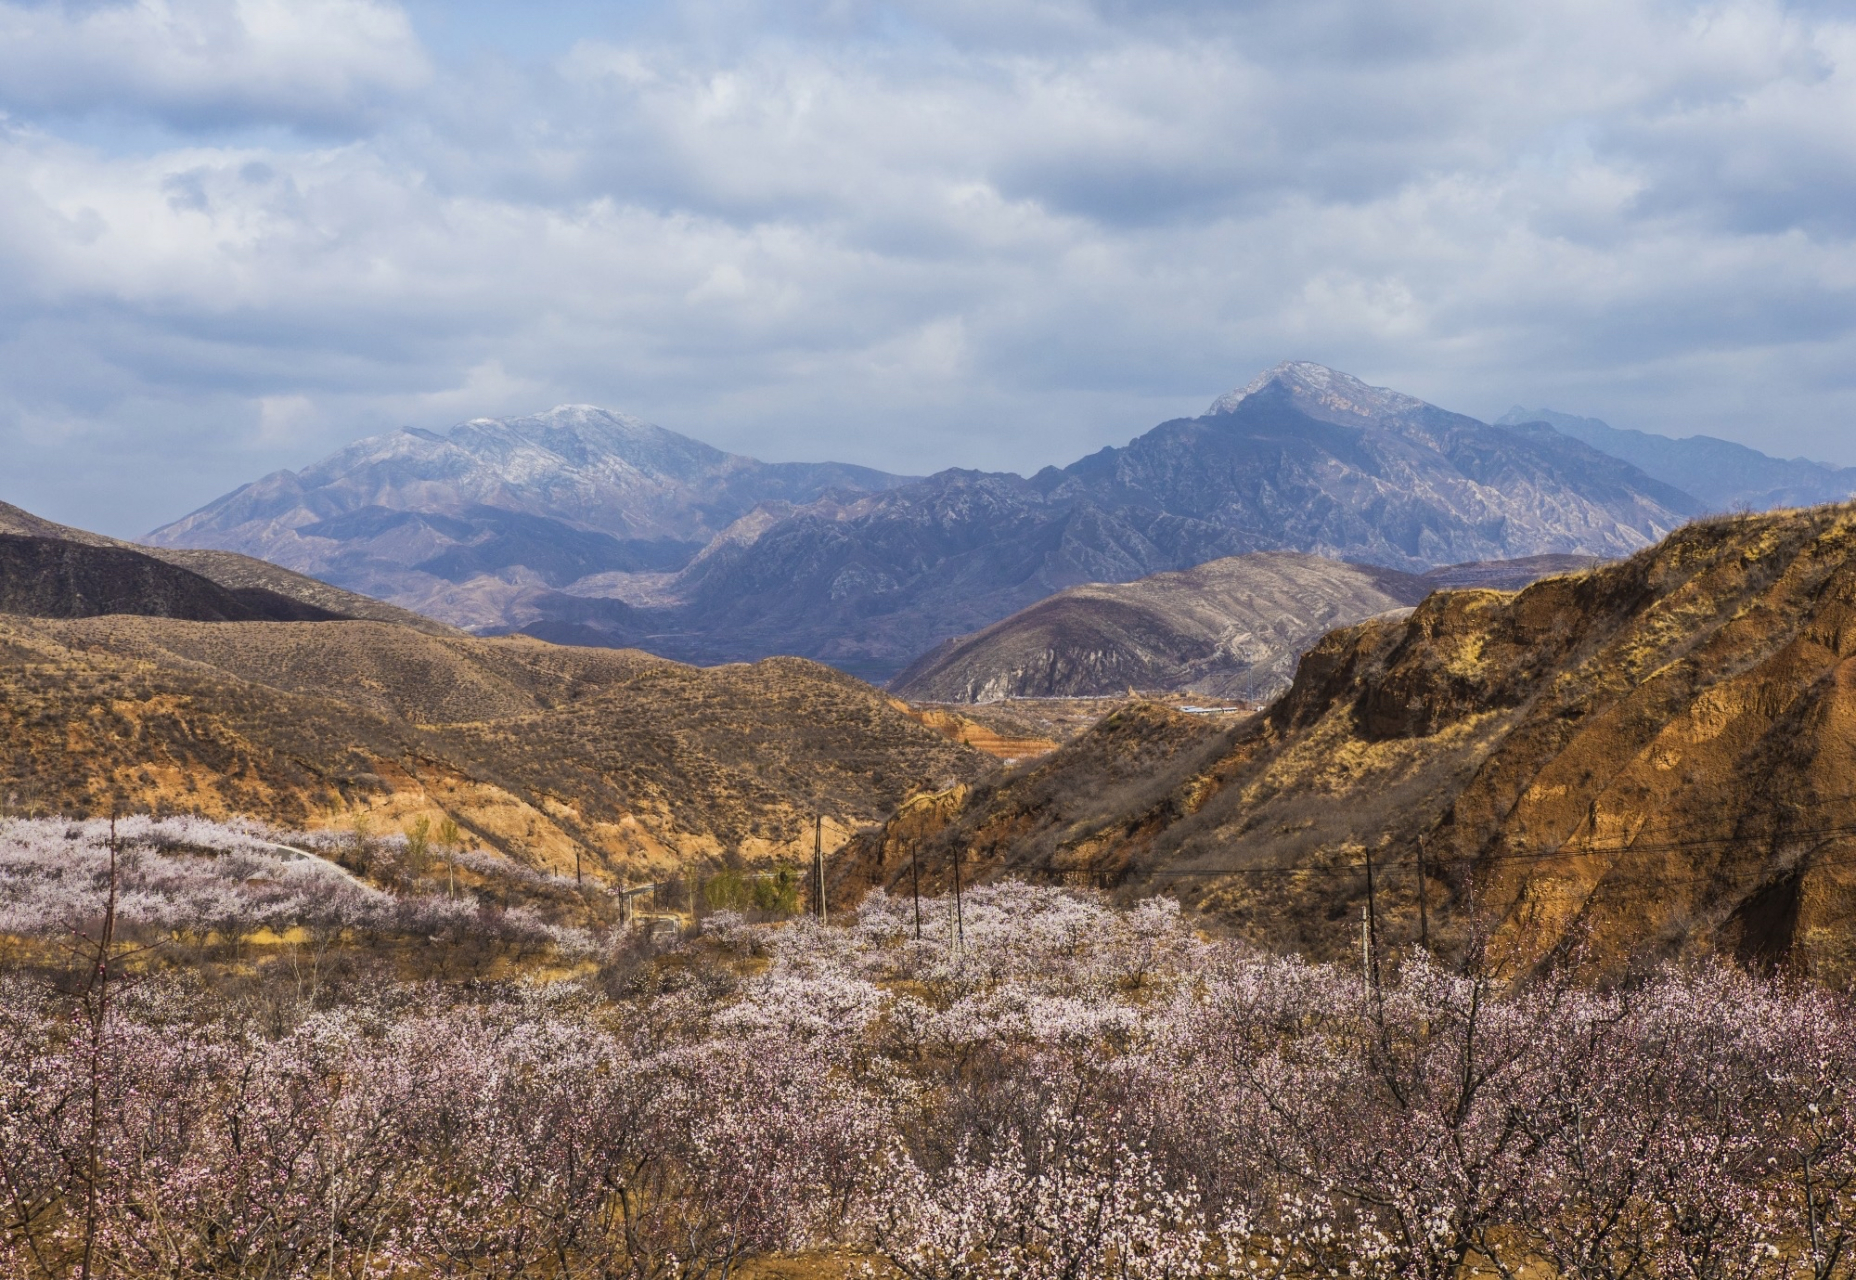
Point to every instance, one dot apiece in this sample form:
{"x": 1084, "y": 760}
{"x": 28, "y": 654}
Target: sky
{"x": 238, "y": 234}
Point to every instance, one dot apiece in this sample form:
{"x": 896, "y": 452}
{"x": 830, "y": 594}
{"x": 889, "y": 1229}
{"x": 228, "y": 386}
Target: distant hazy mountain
{"x": 1302, "y": 459}
{"x": 1723, "y": 475}
{"x": 1231, "y": 628}
{"x": 506, "y": 504}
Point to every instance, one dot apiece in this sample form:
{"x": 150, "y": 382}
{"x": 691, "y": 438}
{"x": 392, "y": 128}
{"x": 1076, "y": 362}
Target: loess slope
{"x": 1649, "y": 758}
{"x": 633, "y": 762}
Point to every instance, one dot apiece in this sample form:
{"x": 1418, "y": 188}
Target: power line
{"x": 1820, "y": 836}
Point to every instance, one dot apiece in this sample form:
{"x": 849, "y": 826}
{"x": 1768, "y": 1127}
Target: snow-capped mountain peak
{"x": 1316, "y": 387}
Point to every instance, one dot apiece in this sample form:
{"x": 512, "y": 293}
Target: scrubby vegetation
{"x": 1646, "y": 760}
{"x": 1039, "y": 1085}
{"x": 628, "y": 763}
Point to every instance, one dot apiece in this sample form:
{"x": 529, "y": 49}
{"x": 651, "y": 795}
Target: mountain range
{"x": 1723, "y": 475}
{"x": 459, "y": 525}
{"x": 583, "y": 526}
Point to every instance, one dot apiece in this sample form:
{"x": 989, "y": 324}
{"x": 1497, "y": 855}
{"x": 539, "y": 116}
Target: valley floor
{"x": 212, "y": 1064}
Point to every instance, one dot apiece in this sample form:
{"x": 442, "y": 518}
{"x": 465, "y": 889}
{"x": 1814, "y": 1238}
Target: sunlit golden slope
{"x": 1656, "y": 756}
{"x": 636, "y": 762}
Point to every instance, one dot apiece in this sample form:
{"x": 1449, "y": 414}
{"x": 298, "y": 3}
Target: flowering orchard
{"x": 1078, "y": 1092}
{"x": 193, "y": 877}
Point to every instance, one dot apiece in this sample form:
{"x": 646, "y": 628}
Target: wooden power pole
{"x": 960, "y": 919}
{"x": 1372, "y": 924}
{"x": 1424, "y": 914}
{"x": 819, "y": 867}
{"x": 915, "y": 875}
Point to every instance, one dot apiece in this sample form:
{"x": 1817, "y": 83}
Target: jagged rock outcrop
{"x": 1648, "y": 758}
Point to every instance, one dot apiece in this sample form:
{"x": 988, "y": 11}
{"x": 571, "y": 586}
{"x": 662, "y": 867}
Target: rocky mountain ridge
{"x": 585, "y": 526}
{"x": 1305, "y": 459}
{"x": 455, "y": 524}
{"x": 1646, "y": 759}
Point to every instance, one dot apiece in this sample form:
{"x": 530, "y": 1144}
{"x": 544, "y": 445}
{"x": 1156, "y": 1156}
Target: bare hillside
{"x": 1649, "y": 758}
{"x": 632, "y": 761}
{"x": 1231, "y": 628}
{"x": 228, "y": 569}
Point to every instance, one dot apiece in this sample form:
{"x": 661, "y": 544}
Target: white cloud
{"x": 319, "y": 63}
{"x": 992, "y": 235}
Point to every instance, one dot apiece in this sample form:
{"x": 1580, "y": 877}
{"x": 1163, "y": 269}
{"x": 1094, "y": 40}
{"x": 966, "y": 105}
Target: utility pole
{"x": 1366, "y": 957}
{"x": 818, "y": 866}
{"x": 577, "y": 879}
{"x": 1424, "y": 915}
{"x": 915, "y": 874}
{"x": 960, "y": 919}
{"x": 1372, "y": 924}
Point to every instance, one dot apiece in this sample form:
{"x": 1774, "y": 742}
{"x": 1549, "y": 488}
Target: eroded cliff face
{"x": 1656, "y": 757}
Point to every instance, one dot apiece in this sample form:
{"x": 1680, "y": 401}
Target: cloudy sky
{"x": 236, "y": 234}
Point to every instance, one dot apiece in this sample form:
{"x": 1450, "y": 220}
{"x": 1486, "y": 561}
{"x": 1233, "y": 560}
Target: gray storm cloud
{"x": 235, "y": 234}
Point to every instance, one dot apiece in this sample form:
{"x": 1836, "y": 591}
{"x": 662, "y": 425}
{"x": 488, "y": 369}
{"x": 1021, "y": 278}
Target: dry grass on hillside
{"x": 540, "y": 751}
{"x": 1645, "y": 759}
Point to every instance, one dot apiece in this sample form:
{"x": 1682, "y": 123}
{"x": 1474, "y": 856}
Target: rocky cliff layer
{"x": 1645, "y": 759}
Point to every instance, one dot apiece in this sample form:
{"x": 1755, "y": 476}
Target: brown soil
{"x": 633, "y": 762}
{"x": 1646, "y": 759}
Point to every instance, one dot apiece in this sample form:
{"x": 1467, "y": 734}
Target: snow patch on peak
{"x": 587, "y": 412}
{"x": 1291, "y": 372}
{"x": 1317, "y": 384}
